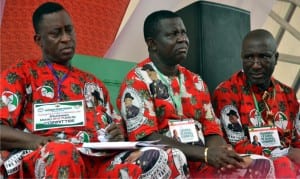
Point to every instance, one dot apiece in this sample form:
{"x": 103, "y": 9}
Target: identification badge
{"x": 183, "y": 130}
{"x": 264, "y": 136}
{"x": 58, "y": 115}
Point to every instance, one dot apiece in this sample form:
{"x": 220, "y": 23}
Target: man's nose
{"x": 182, "y": 37}
{"x": 256, "y": 61}
{"x": 65, "y": 36}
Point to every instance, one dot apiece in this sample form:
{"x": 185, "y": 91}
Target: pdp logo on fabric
{"x": 46, "y": 91}
{"x": 10, "y": 99}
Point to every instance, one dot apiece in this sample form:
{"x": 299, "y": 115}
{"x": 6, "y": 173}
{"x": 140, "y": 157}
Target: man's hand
{"x": 224, "y": 157}
{"x": 16, "y": 139}
{"x": 133, "y": 156}
{"x": 294, "y": 155}
{"x": 39, "y": 141}
{"x": 114, "y": 133}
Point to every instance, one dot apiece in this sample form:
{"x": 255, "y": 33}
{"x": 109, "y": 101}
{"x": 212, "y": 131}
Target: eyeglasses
{"x": 262, "y": 58}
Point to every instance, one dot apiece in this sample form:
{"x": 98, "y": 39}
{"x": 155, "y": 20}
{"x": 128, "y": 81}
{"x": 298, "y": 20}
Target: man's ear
{"x": 151, "y": 44}
{"x": 37, "y": 39}
{"x": 276, "y": 57}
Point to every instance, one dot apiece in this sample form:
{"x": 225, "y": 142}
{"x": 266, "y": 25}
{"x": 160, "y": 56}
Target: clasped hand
{"x": 114, "y": 133}
{"x": 224, "y": 158}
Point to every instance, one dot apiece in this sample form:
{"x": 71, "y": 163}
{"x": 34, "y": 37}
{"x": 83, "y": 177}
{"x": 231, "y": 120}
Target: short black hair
{"x": 261, "y": 34}
{"x": 45, "y": 8}
{"x": 152, "y": 20}
{"x": 232, "y": 112}
{"x": 128, "y": 95}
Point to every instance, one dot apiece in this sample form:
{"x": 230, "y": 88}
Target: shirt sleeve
{"x": 296, "y": 137}
{"x": 136, "y": 107}
{"x": 224, "y": 100}
{"x": 109, "y": 113}
{"x": 13, "y": 91}
{"x": 296, "y": 142}
{"x": 203, "y": 106}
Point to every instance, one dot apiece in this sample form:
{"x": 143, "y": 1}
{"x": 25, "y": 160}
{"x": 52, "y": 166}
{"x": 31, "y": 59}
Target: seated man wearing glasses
{"x": 265, "y": 106}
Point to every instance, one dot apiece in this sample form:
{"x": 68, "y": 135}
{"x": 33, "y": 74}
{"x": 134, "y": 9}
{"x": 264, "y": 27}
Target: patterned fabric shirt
{"x": 35, "y": 82}
{"x": 236, "y": 97}
{"x": 147, "y": 101}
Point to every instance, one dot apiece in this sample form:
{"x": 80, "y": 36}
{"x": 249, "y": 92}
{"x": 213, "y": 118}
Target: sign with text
{"x": 58, "y": 115}
{"x": 183, "y": 130}
{"x": 264, "y": 136}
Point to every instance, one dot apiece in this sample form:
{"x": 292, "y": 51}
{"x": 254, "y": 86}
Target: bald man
{"x": 261, "y": 101}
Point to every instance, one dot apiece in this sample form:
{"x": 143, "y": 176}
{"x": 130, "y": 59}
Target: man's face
{"x": 128, "y": 101}
{"x": 171, "y": 42}
{"x": 233, "y": 118}
{"x": 56, "y": 37}
{"x": 259, "y": 60}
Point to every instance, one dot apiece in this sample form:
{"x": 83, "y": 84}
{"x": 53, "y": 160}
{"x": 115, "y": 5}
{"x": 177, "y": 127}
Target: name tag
{"x": 183, "y": 130}
{"x": 264, "y": 136}
{"x": 58, "y": 115}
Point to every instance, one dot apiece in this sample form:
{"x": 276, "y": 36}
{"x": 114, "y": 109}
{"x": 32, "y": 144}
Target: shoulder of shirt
{"x": 236, "y": 78}
{"x": 187, "y": 72}
{"x": 132, "y": 71}
{"x": 86, "y": 74}
{"x": 281, "y": 84}
{"x": 22, "y": 64}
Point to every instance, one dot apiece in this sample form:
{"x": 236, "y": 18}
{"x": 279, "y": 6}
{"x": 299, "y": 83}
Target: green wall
{"x": 109, "y": 71}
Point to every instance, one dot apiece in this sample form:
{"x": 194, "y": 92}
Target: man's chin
{"x": 64, "y": 60}
{"x": 256, "y": 81}
{"x": 180, "y": 60}
{"x": 67, "y": 58}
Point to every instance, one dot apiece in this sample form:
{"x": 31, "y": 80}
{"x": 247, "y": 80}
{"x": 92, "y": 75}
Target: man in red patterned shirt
{"x": 171, "y": 97}
{"x": 49, "y": 108}
{"x": 266, "y": 107}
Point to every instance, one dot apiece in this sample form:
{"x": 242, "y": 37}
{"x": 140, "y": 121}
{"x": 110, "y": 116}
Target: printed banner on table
{"x": 59, "y": 114}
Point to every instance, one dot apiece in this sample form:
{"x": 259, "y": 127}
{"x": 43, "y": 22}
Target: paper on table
{"x": 110, "y": 145}
{"x": 121, "y": 145}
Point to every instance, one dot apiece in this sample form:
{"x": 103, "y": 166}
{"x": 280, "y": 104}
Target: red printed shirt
{"x": 237, "y": 97}
{"x": 147, "y": 101}
{"x": 33, "y": 81}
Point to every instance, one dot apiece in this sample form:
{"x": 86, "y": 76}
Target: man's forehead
{"x": 258, "y": 45}
{"x": 265, "y": 42}
{"x": 56, "y": 18}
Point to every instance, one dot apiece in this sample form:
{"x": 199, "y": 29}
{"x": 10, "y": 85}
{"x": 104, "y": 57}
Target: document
{"x": 121, "y": 145}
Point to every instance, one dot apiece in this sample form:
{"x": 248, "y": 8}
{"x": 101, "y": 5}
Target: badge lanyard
{"x": 257, "y": 107}
{"x": 175, "y": 98}
{"x": 59, "y": 80}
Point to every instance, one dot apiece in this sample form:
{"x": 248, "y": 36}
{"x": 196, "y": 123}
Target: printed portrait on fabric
{"x": 231, "y": 123}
